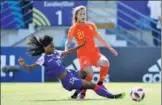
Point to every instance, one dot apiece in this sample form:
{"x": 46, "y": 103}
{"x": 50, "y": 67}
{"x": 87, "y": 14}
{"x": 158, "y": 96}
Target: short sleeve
{"x": 59, "y": 52}
{"x": 71, "y": 32}
{"x": 94, "y": 26}
{"x": 40, "y": 60}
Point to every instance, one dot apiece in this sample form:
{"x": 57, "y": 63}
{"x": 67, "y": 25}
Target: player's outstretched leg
{"x": 101, "y": 91}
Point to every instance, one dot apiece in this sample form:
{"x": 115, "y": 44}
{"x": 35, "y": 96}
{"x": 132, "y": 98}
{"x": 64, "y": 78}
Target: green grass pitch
{"x": 54, "y": 94}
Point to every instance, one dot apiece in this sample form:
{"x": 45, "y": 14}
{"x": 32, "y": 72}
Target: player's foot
{"x": 102, "y": 86}
{"x": 82, "y": 95}
{"x": 100, "y": 83}
{"x": 73, "y": 97}
{"x": 120, "y": 96}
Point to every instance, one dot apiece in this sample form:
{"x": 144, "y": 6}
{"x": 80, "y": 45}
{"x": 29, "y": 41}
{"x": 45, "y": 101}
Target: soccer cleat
{"x": 102, "y": 86}
{"x": 73, "y": 97}
{"x": 120, "y": 96}
{"x": 82, "y": 95}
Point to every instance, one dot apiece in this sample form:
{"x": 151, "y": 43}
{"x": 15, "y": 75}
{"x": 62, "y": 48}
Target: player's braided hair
{"x": 36, "y": 47}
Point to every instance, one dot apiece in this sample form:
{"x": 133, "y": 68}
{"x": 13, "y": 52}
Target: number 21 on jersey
{"x": 80, "y": 34}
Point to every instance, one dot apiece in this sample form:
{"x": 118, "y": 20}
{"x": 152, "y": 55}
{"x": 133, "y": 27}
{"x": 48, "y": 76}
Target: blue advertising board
{"x": 11, "y": 15}
{"x": 54, "y": 13}
{"x": 9, "y": 56}
{"x": 140, "y": 7}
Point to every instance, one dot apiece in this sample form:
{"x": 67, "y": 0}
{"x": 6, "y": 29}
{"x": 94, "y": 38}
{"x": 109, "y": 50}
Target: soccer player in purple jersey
{"x": 51, "y": 60}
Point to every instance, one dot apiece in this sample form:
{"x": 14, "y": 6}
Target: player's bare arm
{"x": 67, "y": 52}
{"x": 25, "y": 66}
{"x": 67, "y": 43}
{"x": 103, "y": 42}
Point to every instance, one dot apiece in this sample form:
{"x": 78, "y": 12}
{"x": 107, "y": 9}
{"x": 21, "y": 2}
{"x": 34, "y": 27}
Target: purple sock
{"x": 102, "y": 92}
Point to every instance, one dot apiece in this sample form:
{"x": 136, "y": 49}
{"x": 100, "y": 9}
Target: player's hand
{"x": 21, "y": 61}
{"x": 114, "y": 51}
{"x": 84, "y": 42}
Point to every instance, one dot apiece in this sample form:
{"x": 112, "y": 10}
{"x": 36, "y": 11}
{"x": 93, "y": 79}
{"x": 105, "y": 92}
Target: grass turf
{"x": 54, "y": 94}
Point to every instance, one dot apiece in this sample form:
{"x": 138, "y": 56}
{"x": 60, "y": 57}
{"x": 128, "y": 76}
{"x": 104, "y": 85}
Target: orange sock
{"x": 103, "y": 73}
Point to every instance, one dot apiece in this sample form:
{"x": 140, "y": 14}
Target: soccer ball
{"x": 137, "y": 94}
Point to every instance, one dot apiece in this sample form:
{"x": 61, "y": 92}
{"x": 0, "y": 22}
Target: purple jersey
{"x": 54, "y": 67}
{"x": 52, "y": 63}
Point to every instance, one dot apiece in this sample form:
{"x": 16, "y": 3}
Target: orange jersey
{"x": 82, "y": 32}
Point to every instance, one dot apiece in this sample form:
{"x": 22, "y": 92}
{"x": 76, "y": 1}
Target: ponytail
{"x": 35, "y": 47}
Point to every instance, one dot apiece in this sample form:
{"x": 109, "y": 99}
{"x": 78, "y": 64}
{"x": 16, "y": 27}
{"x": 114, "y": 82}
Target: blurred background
{"x": 133, "y": 28}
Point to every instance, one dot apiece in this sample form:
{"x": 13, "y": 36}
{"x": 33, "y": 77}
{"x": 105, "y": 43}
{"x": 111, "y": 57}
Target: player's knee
{"x": 89, "y": 71}
{"x": 83, "y": 74}
{"x": 105, "y": 63}
{"x": 88, "y": 78}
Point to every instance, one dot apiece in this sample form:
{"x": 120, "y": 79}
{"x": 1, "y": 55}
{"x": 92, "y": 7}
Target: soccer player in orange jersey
{"x": 89, "y": 55}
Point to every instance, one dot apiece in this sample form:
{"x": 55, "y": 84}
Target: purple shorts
{"x": 72, "y": 80}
